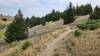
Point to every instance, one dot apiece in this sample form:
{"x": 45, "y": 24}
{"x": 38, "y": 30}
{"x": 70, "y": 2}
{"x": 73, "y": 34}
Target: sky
{"x": 38, "y": 7}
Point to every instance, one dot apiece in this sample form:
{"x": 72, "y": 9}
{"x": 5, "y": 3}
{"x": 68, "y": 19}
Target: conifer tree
{"x": 35, "y": 21}
{"x": 17, "y": 30}
{"x": 53, "y": 16}
{"x": 84, "y": 9}
{"x": 77, "y": 10}
{"x": 28, "y": 22}
{"x": 87, "y": 9}
{"x": 43, "y": 21}
{"x": 96, "y": 13}
{"x": 69, "y": 14}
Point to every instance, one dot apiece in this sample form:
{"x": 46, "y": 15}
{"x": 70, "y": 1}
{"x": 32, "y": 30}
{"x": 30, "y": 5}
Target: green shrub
{"x": 77, "y": 33}
{"x": 92, "y": 26}
{"x": 89, "y": 25}
{"x": 81, "y": 26}
{"x": 25, "y": 45}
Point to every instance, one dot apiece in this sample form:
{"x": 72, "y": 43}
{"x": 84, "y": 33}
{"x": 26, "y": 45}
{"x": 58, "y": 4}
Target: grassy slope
{"x": 15, "y": 48}
{"x": 88, "y": 44}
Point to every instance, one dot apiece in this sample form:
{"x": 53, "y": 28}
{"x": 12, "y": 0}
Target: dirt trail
{"x": 49, "y": 50}
{"x": 50, "y": 47}
{"x": 78, "y": 21}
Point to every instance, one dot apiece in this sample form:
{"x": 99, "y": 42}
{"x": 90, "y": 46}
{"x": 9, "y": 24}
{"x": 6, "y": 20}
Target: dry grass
{"x": 38, "y": 43}
{"x": 5, "y": 22}
{"x": 86, "y": 45}
{"x": 41, "y": 36}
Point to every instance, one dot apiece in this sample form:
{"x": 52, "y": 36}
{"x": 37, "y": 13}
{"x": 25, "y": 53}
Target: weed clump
{"x": 89, "y": 25}
{"x": 25, "y": 45}
{"x": 77, "y": 33}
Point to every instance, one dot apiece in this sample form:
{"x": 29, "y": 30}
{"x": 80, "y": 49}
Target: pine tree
{"x": 84, "y": 9}
{"x": 17, "y": 30}
{"x": 77, "y": 10}
{"x": 48, "y": 17}
{"x": 69, "y": 14}
{"x": 96, "y": 13}
{"x": 34, "y": 21}
{"x": 87, "y": 9}
{"x": 28, "y": 22}
{"x": 53, "y": 16}
{"x": 43, "y": 21}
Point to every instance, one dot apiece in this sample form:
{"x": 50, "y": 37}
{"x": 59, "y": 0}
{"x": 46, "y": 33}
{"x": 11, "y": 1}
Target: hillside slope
{"x": 50, "y": 47}
{"x": 49, "y": 40}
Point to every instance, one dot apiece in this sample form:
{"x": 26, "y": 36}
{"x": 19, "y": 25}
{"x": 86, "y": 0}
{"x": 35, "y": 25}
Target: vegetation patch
{"x": 1, "y": 34}
{"x": 2, "y": 26}
{"x": 25, "y": 45}
{"x": 88, "y": 46}
{"x": 89, "y": 25}
{"x": 77, "y": 33}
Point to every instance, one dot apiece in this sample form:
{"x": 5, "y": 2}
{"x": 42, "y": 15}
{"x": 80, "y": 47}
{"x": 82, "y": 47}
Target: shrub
{"x": 26, "y": 45}
{"x": 91, "y": 25}
{"x": 77, "y": 33}
{"x": 81, "y": 26}
{"x": 2, "y": 26}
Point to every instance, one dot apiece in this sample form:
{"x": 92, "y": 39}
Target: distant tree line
{"x": 67, "y": 15}
{"x": 18, "y": 29}
{"x": 53, "y": 16}
{"x": 84, "y": 9}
